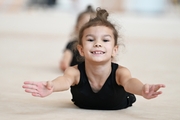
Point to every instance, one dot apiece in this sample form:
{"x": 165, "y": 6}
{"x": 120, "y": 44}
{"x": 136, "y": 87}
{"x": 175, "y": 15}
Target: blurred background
{"x": 49, "y": 16}
{"x": 44, "y": 21}
{"x": 34, "y": 33}
{"x": 29, "y": 27}
{"x": 138, "y": 6}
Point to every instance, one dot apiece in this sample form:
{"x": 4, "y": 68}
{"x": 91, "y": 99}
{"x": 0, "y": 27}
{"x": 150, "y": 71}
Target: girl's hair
{"x": 99, "y": 20}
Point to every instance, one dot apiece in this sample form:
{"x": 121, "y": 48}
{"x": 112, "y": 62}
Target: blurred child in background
{"x": 71, "y": 54}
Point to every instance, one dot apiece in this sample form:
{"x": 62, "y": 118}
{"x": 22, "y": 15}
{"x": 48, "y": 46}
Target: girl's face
{"x": 98, "y": 44}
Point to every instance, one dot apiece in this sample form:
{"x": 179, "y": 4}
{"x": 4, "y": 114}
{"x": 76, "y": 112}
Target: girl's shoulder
{"x": 122, "y": 70}
{"x": 122, "y": 74}
{"x": 73, "y": 73}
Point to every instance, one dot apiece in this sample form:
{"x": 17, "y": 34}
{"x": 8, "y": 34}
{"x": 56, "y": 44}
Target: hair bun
{"x": 102, "y": 13}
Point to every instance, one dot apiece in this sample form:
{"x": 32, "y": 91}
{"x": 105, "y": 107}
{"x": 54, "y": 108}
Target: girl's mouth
{"x": 97, "y": 52}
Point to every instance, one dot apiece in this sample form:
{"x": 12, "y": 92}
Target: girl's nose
{"x": 97, "y": 44}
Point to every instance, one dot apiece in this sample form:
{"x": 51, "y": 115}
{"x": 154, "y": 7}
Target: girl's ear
{"x": 80, "y": 49}
{"x": 115, "y": 50}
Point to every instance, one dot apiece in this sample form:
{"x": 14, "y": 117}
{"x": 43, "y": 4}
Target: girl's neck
{"x": 97, "y": 71}
{"x": 97, "y": 74}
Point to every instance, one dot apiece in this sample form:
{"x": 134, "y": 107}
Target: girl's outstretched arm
{"x": 45, "y": 88}
{"x": 135, "y": 86}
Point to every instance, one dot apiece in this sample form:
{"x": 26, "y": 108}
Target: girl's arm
{"x": 45, "y": 88}
{"x": 135, "y": 86}
{"x": 70, "y": 78}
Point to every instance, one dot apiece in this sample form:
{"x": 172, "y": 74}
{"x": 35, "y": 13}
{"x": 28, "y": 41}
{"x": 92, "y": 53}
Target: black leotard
{"x": 110, "y": 97}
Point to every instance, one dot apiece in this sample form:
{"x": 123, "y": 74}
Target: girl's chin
{"x": 98, "y": 60}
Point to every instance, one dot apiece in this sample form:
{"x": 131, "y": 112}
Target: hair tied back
{"x": 102, "y": 13}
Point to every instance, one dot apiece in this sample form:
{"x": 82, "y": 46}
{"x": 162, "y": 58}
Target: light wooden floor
{"x": 31, "y": 45}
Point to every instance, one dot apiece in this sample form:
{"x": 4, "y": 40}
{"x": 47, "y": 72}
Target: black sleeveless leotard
{"x": 110, "y": 97}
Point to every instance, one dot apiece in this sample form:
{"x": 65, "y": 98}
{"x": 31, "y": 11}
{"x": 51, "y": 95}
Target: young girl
{"x": 97, "y": 83}
{"x": 70, "y": 54}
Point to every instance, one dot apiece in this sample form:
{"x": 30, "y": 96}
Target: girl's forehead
{"x": 98, "y": 30}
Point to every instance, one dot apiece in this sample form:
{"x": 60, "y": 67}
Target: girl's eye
{"x": 106, "y": 40}
{"x": 90, "y": 40}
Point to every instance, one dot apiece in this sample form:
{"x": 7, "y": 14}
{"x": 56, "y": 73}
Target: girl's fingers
{"x": 151, "y": 90}
{"x": 36, "y": 94}
{"x": 29, "y": 82}
{"x": 162, "y": 85}
{"x": 159, "y": 86}
{"x": 30, "y": 87}
{"x": 154, "y": 96}
{"x": 156, "y": 93}
{"x": 31, "y": 91}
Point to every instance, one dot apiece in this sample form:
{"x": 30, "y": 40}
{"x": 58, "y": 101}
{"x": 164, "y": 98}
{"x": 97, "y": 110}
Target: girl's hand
{"x": 38, "y": 89}
{"x": 151, "y": 91}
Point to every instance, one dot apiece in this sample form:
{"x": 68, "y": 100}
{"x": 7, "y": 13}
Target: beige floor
{"x": 31, "y": 45}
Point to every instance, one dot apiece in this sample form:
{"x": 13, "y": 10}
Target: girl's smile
{"x": 97, "y": 52}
